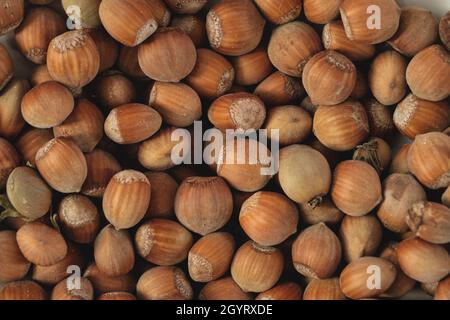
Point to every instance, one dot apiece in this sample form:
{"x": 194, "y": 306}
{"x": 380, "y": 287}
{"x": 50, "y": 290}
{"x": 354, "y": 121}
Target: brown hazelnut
{"x": 163, "y": 242}
{"x": 33, "y": 36}
{"x": 256, "y": 268}
{"x": 130, "y": 22}
{"x": 204, "y": 205}
{"x": 47, "y": 105}
{"x": 292, "y": 45}
{"x": 428, "y": 73}
{"x": 113, "y": 252}
{"x": 73, "y": 59}
{"x": 355, "y": 18}
{"x": 126, "y": 199}
{"x": 234, "y": 27}
{"x": 213, "y": 75}
{"x": 41, "y": 244}
{"x": 168, "y": 56}
{"x": 418, "y": 29}
{"x": 314, "y": 263}
{"x": 62, "y": 164}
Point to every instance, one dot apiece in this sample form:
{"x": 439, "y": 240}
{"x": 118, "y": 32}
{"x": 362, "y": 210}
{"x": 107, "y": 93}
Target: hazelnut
{"x": 286, "y": 292}
{"x": 400, "y": 192}
{"x": 387, "y": 78}
{"x": 399, "y": 162}
{"x": 334, "y": 38}
{"x": 73, "y": 59}
{"x": 279, "y": 89}
{"x": 30, "y": 142}
{"x": 10, "y": 160}
{"x": 252, "y": 68}
{"x": 104, "y": 283}
{"x": 432, "y": 172}
{"x": 297, "y": 163}
{"x": 22, "y": 290}
{"x": 247, "y": 175}
{"x": 418, "y": 29}
{"x": 117, "y": 296}
{"x": 430, "y": 221}
{"x": 428, "y": 73}
{"x": 380, "y": 118}
{"x": 423, "y": 261}
{"x": 211, "y": 256}
{"x": 115, "y": 90}
{"x": 168, "y": 56}
{"x": 356, "y": 188}
{"x": 79, "y": 218}
{"x": 40, "y": 75}
{"x": 280, "y": 11}
{"x": 360, "y": 236}
{"x": 52, "y": 275}
{"x": 237, "y": 111}
{"x": 193, "y": 26}
{"x": 113, "y": 252}
{"x": 13, "y": 265}
{"x": 108, "y": 48}
{"x": 293, "y": 123}
{"x": 213, "y": 75}
{"x": 163, "y": 242}
{"x": 326, "y": 289}
{"x": 84, "y": 126}
{"x": 341, "y": 127}
{"x": 62, "y": 292}
{"x": 402, "y": 283}
{"x": 414, "y": 116}
{"x": 164, "y": 189}
{"x": 321, "y": 12}
{"x": 155, "y": 153}
{"x": 443, "y": 290}
{"x": 132, "y": 123}
{"x": 329, "y": 78}
{"x": 203, "y": 205}
{"x": 256, "y": 268}
{"x": 291, "y": 46}
{"x": 62, "y": 164}
{"x": 33, "y": 36}
{"x": 164, "y": 283}
{"x": 223, "y": 289}
{"x": 6, "y": 67}
{"x": 11, "y": 16}
{"x": 355, "y": 278}
{"x": 47, "y": 105}
{"x": 314, "y": 263}
{"x": 178, "y": 104}
{"x": 126, "y": 199}
{"x": 354, "y": 16}
{"x": 41, "y": 244}
{"x": 11, "y": 119}
{"x": 268, "y": 210}
{"x": 186, "y": 6}
{"x": 130, "y": 22}
{"x": 325, "y": 211}
{"x": 234, "y": 27}
{"x": 375, "y": 152}
{"x": 102, "y": 166}
{"x": 128, "y": 62}
{"x": 444, "y": 30}
{"x": 28, "y": 193}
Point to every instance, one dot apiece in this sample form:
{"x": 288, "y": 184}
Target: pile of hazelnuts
{"x": 93, "y": 206}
